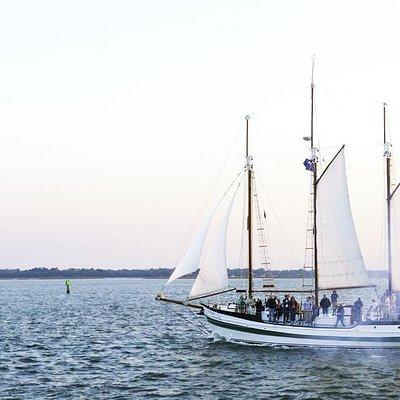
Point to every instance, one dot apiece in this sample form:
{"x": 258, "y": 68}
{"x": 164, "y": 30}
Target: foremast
{"x": 314, "y": 185}
{"x": 388, "y": 155}
{"x": 249, "y": 168}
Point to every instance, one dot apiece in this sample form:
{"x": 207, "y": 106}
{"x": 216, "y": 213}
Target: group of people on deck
{"x": 284, "y": 310}
{"x": 338, "y": 308}
{"x": 288, "y": 310}
{"x": 387, "y": 309}
{"x": 289, "y": 307}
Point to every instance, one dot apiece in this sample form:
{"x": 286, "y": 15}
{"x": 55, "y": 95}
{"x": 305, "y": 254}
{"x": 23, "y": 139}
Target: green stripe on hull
{"x": 301, "y": 336}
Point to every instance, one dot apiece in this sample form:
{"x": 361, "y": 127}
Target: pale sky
{"x": 116, "y": 118}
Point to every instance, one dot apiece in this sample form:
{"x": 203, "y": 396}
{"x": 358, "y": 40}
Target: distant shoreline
{"x": 153, "y": 273}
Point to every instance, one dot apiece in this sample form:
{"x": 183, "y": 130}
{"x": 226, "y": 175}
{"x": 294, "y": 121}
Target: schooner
{"x": 337, "y": 261}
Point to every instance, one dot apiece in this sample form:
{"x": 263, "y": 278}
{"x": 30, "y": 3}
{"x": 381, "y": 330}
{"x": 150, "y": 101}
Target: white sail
{"x": 190, "y": 261}
{"x": 340, "y": 262}
{"x": 395, "y": 236}
{"x": 213, "y": 274}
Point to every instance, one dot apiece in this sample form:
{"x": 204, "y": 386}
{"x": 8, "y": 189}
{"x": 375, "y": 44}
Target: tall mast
{"x": 249, "y": 167}
{"x": 314, "y": 172}
{"x": 387, "y": 154}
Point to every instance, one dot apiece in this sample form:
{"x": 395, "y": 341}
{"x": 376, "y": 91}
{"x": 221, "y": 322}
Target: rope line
{"x": 222, "y": 197}
{"x": 201, "y": 211}
{"x": 186, "y": 319}
{"x": 276, "y": 219}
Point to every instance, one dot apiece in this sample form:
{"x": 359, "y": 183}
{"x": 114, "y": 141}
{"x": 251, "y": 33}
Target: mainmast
{"x": 249, "y": 167}
{"x": 387, "y": 154}
{"x": 314, "y": 172}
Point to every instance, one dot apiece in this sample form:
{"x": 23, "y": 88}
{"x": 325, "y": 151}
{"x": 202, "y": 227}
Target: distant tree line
{"x": 155, "y": 273}
{"x": 76, "y": 273}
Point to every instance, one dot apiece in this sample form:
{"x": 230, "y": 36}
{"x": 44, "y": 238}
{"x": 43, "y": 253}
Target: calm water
{"x": 110, "y": 340}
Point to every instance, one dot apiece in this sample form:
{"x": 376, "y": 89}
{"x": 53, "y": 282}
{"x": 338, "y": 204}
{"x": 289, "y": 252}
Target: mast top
{"x": 387, "y": 145}
{"x": 312, "y": 71}
{"x": 249, "y": 158}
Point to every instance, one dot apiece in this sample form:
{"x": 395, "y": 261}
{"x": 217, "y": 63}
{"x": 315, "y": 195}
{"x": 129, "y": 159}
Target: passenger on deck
{"x": 286, "y": 308}
{"x": 278, "y": 310}
{"x": 294, "y": 305}
{"x": 315, "y": 312}
{"x": 307, "y": 310}
{"x": 385, "y": 305}
{"x": 271, "y": 306}
{"x": 397, "y": 302}
{"x": 325, "y": 303}
{"x": 259, "y": 307}
{"x": 339, "y": 315}
{"x": 358, "y": 305}
{"x": 242, "y": 304}
{"x": 374, "y": 311}
{"x": 334, "y": 299}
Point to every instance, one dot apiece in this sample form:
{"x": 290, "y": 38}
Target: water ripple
{"x": 110, "y": 340}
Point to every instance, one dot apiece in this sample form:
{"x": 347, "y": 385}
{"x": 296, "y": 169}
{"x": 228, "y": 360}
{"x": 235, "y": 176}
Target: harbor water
{"x": 109, "y": 339}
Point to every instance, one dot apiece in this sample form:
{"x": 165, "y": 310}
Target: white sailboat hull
{"x": 236, "y": 329}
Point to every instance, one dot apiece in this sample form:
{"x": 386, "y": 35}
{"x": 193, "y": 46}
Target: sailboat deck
{"x": 256, "y": 318}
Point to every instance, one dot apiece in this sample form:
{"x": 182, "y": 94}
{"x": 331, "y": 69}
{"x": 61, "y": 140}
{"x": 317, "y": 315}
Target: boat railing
{"x": 378, "y": 314}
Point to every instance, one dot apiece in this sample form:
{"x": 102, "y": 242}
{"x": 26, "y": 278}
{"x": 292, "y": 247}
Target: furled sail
{"x": 213, "y": 274}
{"x": 340, "y": 262}
{"x": 190, "y": 261}
{"x": 395, "y": 239}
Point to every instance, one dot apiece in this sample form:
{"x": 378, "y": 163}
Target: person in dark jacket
{"x": 286, "y": 308}
{"x": 358, "y": 305}
{"x": 294, "y": 305}
{"x": 259, "y": 307}
{"x": 271, "y": 306}
{"x": 334, "y": 301}
{"x": 278, "y": 310}
{"x": 339, "y": 315}
{"x": 325, "y": 303}
{"x": 315, "y": 313}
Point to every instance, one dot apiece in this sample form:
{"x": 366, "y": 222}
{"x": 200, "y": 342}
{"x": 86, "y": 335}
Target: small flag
{"x": 309, "y": 164}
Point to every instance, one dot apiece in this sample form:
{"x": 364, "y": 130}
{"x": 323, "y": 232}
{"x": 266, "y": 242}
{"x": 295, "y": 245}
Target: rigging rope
{"x": 201, "y": 210}
{"x": 348, "y": 94}
{"x": 276, "y": 218}
{"x": 320, "y": 150}
{"x": 239, "y": 175}
{"x": 186, "y": 319}
{"x": 199, "y": 320}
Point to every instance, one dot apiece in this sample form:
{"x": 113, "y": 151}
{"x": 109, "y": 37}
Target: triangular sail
{"x": 190, "y": 261}
{"x": 213, "y": 274}
{"x": 340, "y": 262}
{"x": 395, "y": 239}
